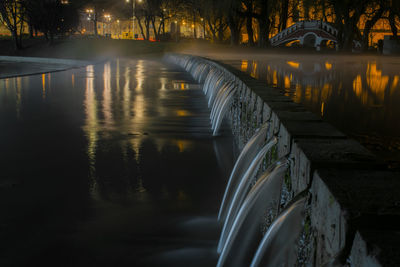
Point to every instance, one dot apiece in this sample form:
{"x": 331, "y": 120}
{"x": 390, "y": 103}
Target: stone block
{"x": 328, "y": 224}
{"x": 286, "y": 106}
{"x": 311, "y": 129}
{"x": 266, "y": 113}
{"x": 285, "y": 115}
{"x": 259, "y": 111}
{"x": 346, "y": 201}
{"x": 375, "y": 248}
{"x": 362, "y": 254}
{"x": 309, "y": 154}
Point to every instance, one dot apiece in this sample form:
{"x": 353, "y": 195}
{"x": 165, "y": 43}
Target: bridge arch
{"x": 309, "y": 33}
{"x": 310, "y": 39}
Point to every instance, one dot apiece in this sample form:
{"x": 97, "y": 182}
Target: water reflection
{"x": 92, "y": 125}
{"x": 107, "y": 98}
{"x": 149, "y": 106}
{"x": 359, "y": 96}
{"x": 44, "y": 86}
{"x": 113, "y": 153}
{"x": 18, "y": 103}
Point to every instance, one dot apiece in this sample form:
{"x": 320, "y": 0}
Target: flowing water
{"x": 242, "y": 164}
{"x": 245, "y": 235}
{"x": 277, "y": 245}
{"x": 241, "y": 192}
{"x": 109, "y": 165}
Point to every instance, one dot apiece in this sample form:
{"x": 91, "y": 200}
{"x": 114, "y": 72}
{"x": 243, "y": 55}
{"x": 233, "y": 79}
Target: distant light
{"x": 192, "y": 25}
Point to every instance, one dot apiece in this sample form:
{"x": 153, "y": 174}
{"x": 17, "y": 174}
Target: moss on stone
{"x": 288, "y": 180}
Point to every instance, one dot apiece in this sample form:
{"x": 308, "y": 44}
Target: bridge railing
{"x": 309, "y": 25}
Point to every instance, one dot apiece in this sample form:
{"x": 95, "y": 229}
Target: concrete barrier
{"x": 353, "y": 200}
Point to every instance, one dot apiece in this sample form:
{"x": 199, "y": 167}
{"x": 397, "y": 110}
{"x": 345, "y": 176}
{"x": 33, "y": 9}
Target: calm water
{"x": 358, "y": 95}
{"x": 109, "y": 165}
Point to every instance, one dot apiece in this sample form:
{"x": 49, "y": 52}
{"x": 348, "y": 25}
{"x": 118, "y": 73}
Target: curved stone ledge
{"x": 22, "y": 66}
{"x": 352, "y": 196}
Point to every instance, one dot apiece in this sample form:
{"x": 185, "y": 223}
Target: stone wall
{"x": 353, "y": 208}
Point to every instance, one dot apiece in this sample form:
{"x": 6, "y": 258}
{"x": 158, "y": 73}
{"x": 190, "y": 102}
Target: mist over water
{"x": 109, "y": 165}
{"x": 360, "y": 95}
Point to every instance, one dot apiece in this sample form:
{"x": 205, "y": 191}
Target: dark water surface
{"x": 359, "y": 95}
{"x": 109, "y": 165}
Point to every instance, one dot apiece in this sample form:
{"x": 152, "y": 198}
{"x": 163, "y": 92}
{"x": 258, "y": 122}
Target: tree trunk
{"x": 392, "y": 21}
{"x": 234, "y": 27}
{"x": 264, "y": 32}
{"x": 17, "y": 43}
{"x": 284, "y": 15}
{"x": 249, "y": 28}
{"x": 368, "y": 26}
{"x": 147, "y": 24}
{"x": 264, "y": 24}
{"x": 96, "y": 33}
{"x": 220, "y": 33}
{"x": 30, "y": 30}
{"x": 141, "y": 28}
{"x": 213, "y": 31}
{"x": 154, "y": 29}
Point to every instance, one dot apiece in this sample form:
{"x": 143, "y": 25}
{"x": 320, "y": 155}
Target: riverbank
{"x": 88, "y": 49}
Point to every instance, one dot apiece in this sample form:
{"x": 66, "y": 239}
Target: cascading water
{"x": 226, "y": 87}
{"x": 243, "y": 208}
{"x": 219, "y": 86}
{"x": 216, "y": 94}
{"x": 243, "y": 162}
{"x": 216, "y": 84}
{"x": 222, "y": 111}
{"x": 241, "y": 192}
{"x": 276, "y": 247}
{"x": 244, "y": 237}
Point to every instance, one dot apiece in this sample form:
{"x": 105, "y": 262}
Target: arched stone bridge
{"x": 309, "y": 33}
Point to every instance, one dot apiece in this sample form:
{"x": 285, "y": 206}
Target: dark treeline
{"x": 49, "y": 17}
{"x": 222, "y": 20}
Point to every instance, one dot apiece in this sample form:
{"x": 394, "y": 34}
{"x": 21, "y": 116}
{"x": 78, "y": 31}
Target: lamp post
{"x": 133, "y": 15}
{"x": 108, "y": 22}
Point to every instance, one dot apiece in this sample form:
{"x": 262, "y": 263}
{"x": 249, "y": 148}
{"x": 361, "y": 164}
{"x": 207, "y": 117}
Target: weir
{"x": 348, "y": 212}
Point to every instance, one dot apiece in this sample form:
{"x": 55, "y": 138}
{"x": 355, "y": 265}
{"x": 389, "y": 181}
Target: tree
{"x": 12, "y": 15}
{"x": 347, "y": 17}
{"x": 372, "y": 15}
{"x": 212, "y": 12}
{"x": 249, "y": 15}
{"x": 233, "y": 10}
{"x": 394, "y": 14}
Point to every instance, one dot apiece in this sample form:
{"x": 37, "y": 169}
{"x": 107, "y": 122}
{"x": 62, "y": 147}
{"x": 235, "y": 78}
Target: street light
{"x": 133, "y": 15}
{"x": 91, "y": 16}
{"x": 108, "y": 19}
